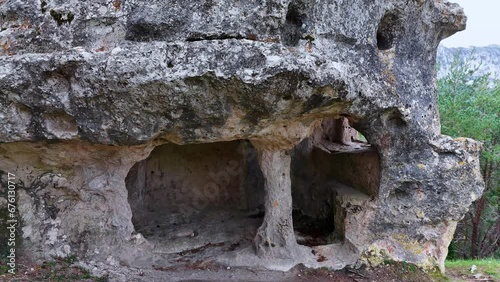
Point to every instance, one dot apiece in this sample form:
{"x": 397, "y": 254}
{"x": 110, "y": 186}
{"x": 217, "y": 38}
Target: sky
{"x": 483, "y": 24}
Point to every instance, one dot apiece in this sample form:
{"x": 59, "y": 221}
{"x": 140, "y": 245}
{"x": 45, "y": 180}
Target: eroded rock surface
{"x": 89, "y": 88}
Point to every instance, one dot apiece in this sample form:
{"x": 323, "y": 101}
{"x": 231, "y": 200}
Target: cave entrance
{"x": 333, "y": 171}
{"x": 185, "y": 198}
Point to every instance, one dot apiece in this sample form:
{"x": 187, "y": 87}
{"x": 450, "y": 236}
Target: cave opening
{"x": 332, "y": 172}
{"x": 185, "y": 198}
{"x": 389, "y": 29}
{"x": 200, "y": 201}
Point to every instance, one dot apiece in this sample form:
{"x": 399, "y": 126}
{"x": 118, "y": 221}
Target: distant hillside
{"x": 487, "y": 57}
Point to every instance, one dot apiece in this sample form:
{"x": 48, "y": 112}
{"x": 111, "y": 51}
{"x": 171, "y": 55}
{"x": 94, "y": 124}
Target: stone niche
{"x": 185, "y": 197}
{"x": 331, "y": 170}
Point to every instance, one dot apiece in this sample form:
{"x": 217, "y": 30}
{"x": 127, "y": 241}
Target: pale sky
{"x": 483, "y": 24}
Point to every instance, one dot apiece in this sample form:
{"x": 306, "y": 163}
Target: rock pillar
{"x": 275, "y": 237}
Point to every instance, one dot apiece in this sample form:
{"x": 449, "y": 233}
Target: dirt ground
{"x": 68, "y": 270}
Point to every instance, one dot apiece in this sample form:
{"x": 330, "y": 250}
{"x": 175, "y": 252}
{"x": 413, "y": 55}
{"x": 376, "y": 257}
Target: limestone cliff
{"x": 106, "y": 107}
{"x": 486, "y": 59}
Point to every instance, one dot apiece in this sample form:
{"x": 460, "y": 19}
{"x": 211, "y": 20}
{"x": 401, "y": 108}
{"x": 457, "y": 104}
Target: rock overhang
{"x": 323, "y": 56}
{"x": 114, "y": 79}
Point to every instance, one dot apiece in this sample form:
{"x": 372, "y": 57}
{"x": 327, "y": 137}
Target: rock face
{"x": 486, "y": 59}
{"x": 106, "y": 107}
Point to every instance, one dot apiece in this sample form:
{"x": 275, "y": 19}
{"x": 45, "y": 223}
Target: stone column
{"x": 345, "y": 134}
{"x": 275, "y": 237}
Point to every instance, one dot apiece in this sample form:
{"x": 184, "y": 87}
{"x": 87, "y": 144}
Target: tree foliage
{"x": 469, "y": 106}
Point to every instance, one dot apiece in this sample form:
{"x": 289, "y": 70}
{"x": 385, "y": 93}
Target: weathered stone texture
{"x": 89, "y": 88}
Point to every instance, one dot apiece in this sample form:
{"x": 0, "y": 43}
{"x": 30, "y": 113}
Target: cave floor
{"x": 223, "y": 229}
{"x": 225, "y": 237}
{"x": 178, "y": 241}
{"x": 208, "y": 232}
{"x": 200, "y": 249}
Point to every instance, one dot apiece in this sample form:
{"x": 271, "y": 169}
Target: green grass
{"x": 489, "y": 267}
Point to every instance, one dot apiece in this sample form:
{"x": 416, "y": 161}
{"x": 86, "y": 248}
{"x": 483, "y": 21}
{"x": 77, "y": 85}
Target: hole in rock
{"x": 388, "y": 30}
{"x": 333, "y": 171}
{"x": 292, "y": 29}
{"x": 190, "y": 198}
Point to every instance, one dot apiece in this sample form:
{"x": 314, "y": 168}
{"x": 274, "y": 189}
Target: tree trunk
{"x": 475, "y": 227}
{"x": 476, "y": 223}
{"x": 492, "y": 237}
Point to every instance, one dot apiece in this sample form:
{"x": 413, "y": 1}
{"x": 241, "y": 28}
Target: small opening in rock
{"x": 293, "y": 15}
{"x": 388, "y": 30}
{"x": 361, "y": 138}
{"x": 396, "y": 118}
{"x": 191, "y": 198}
{"x": 332, "y": 173}
{"x": 292, "y": 29}
{"x": 43, "y": 6}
